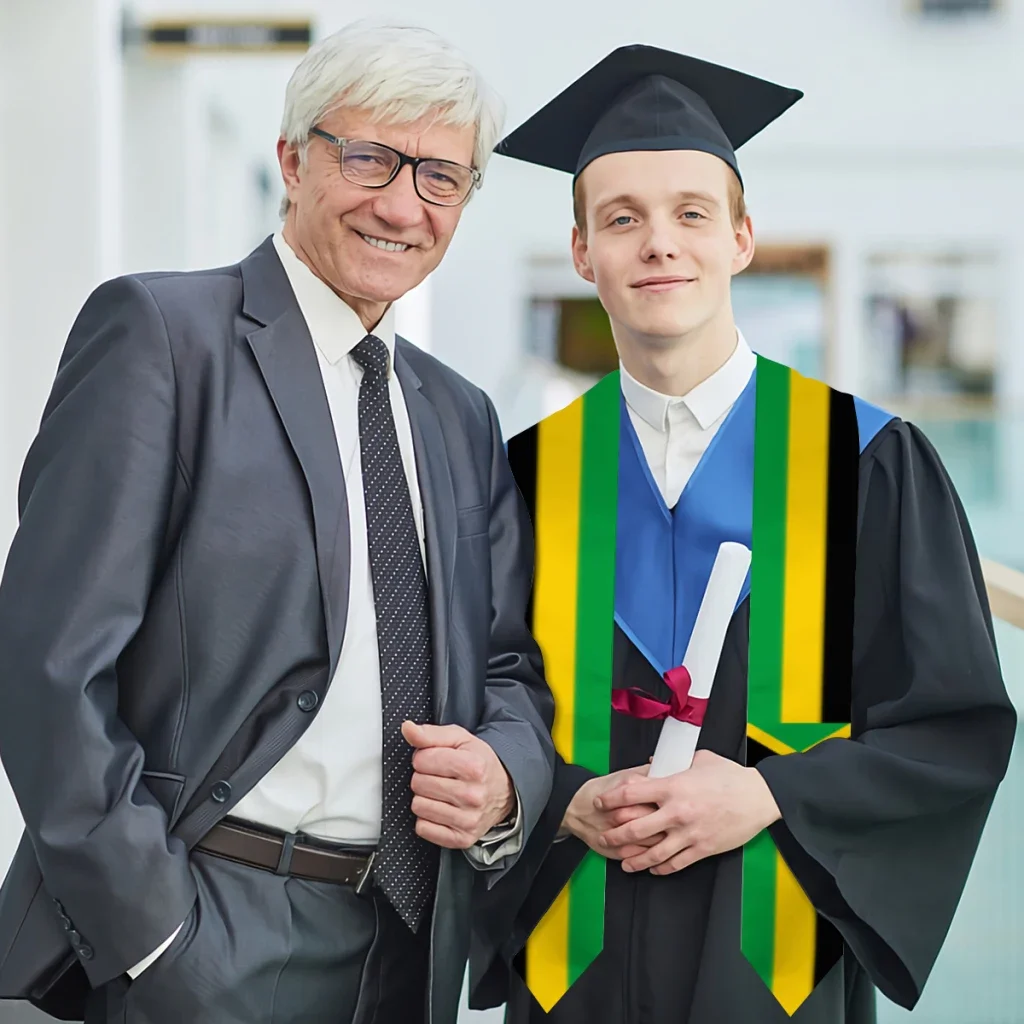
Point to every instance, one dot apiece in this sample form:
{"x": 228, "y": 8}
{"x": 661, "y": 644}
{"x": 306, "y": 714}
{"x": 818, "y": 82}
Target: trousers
{"x": 263, "y": 948}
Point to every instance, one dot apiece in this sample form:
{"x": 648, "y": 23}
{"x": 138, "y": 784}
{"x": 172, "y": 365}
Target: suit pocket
{"x": 167, "y": 787}
{"x": 471, "y": 522}
{"x": 170, "y": 956}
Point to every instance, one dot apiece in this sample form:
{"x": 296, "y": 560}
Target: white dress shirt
{"x": 675, "y": 432}
{"x": 328, "y": 785}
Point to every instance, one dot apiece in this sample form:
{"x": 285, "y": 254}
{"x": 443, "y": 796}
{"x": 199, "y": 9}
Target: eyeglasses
{"x": 374, "y": 165}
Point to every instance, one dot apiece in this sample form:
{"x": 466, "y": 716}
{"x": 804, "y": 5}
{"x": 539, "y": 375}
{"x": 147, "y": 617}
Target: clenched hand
{"x": 461, "y": 789}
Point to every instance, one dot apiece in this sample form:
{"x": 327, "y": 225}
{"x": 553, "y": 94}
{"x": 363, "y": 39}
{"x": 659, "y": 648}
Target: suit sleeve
{"x": 881, "y": 829}
{"x": 518, "y": 706}
{"x": 93, "y": 504}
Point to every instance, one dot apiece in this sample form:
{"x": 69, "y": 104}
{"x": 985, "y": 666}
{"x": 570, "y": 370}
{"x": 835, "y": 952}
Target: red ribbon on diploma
{"x": 681, "y": 705}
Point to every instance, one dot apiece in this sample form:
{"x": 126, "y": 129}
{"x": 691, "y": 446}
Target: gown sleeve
{"x": 881, "y": 829}
{"x": 505, "y": 915}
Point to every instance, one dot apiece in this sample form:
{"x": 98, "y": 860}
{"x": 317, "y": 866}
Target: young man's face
{"x": 660, "y": 242}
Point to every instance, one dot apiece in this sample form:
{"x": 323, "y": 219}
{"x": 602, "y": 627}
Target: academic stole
{"x": 566, "y": 467}
{"x": 799, "y": 679}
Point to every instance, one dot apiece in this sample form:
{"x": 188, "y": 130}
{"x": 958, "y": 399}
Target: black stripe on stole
{"x": 840, "y": 558}
{"x": 828, "y": 943}
{"x": 756, "y": 752}
{"x": 828, "y": 947}
{"x": 522, "y": 457}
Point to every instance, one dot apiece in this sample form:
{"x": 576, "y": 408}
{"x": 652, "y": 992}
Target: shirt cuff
{"x": 499, "y": 843}
{"x": 134, "y": 972}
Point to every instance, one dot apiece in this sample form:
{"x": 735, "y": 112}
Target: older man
{"x": 269, "y": 698}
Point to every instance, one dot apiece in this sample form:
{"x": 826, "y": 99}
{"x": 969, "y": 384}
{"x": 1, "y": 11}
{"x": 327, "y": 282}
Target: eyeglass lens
{"x": 366, "y": 163}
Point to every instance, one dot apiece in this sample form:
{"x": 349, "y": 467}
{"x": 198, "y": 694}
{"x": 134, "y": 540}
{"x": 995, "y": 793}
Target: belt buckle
{"x": 364, "y": 878}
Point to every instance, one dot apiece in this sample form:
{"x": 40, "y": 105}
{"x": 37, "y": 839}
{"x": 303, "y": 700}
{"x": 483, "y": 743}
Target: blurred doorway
{"x": 933, "y": 328}
{"x": 781, "y": 304}
{"x": 202, "y": 112}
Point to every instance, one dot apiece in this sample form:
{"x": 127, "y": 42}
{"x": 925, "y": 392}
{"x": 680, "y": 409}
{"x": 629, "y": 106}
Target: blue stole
{"x": 664, "y": 556}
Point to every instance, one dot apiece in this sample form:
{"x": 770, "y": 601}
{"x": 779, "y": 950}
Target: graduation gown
{"x": 880, "y": 830}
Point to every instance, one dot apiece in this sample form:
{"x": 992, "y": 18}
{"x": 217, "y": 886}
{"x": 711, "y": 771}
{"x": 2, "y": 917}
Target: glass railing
{"x": 985, "y": 458}
{"x": 978, "y": 978}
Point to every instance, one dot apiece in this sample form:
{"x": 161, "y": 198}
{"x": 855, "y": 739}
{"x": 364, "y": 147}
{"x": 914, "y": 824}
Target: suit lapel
{"x": 287, "y": 360}
{"x": 437, "y": 492}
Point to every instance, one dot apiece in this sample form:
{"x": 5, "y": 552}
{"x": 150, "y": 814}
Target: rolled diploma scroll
{"x": 678, "y": 740}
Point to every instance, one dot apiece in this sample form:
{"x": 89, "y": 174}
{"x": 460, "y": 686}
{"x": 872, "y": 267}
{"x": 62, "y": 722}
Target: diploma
{"x": 678, "y": 739}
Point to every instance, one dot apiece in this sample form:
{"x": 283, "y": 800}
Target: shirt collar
{"x": 707, "y": 402}
{"x": 334, "y": 325}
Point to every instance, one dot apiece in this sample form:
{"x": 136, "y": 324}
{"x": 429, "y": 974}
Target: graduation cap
{"x": 645, "y": 98}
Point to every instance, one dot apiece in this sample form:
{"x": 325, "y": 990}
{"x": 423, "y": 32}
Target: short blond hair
{"x": 737, "y": 204}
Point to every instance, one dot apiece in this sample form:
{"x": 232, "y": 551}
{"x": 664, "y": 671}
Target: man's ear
{"x": 290, "y": 162}
{"x": 581, "y": 255}
{"x": 744, "y": 246}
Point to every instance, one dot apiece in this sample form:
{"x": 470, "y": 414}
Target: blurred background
{"x": 887, "y": 207}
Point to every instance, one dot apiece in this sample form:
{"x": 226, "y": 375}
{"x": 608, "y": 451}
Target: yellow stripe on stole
{"x": 793, "y": 969}
{"x": 802, "y": 654}
{"x": 767, "y": 740}
{"x": 806, "y": 542}
{"x": 556, "y": 528}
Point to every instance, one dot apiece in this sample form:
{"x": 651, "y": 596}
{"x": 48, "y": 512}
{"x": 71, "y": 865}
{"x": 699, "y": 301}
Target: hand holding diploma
{"x": 585, "y": 821}
{"x": 713, "y": 806}
{"x": 706, "y": 804}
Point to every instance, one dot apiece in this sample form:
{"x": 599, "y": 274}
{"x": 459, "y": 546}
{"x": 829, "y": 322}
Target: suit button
{"x": 308, "y": 700}
{"x": 85, "y": 952}
{"x": 221, "y": 791}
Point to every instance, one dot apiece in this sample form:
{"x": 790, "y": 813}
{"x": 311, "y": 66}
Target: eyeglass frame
{"x": 403, "y": 159}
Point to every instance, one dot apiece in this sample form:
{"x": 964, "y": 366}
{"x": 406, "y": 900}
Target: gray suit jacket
{"x": 180, "y": 575}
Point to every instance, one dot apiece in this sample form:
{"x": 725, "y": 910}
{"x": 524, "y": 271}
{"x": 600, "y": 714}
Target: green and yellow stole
{"x": 806, "y": 461}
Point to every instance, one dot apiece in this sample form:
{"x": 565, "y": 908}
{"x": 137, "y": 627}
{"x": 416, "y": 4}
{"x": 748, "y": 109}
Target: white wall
{"x": 161, "y": 165}
{"x": 7, "y": 516}
{"x": 195, "y": 132}
{"x": 9, "y": 819}
{"x": 61, "y": 234}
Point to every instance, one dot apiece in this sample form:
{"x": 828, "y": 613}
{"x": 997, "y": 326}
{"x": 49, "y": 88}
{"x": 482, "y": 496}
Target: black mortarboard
{"x": 645, "y": 98}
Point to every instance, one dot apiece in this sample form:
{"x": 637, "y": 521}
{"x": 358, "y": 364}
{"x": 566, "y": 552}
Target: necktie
{"x": 405, "y": 867}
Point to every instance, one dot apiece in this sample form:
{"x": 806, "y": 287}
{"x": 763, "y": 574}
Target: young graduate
{"x": 858, "y": 726}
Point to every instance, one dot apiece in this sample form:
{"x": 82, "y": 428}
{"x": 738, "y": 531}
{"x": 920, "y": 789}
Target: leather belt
{"x": 287, "y": 855}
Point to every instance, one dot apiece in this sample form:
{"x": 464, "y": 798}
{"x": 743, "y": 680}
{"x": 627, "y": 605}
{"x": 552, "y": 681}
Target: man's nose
{"x": 398, "y": 204}
{"x": 661, "y": 243}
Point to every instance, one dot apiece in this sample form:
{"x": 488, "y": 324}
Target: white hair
{"x": 398, "y": 74}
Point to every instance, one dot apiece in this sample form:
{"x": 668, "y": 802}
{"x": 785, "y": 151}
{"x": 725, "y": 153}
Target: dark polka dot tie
{"x": 406, "y": 866}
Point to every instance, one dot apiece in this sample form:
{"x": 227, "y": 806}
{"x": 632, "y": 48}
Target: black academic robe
{"x": 880, "y": 831}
